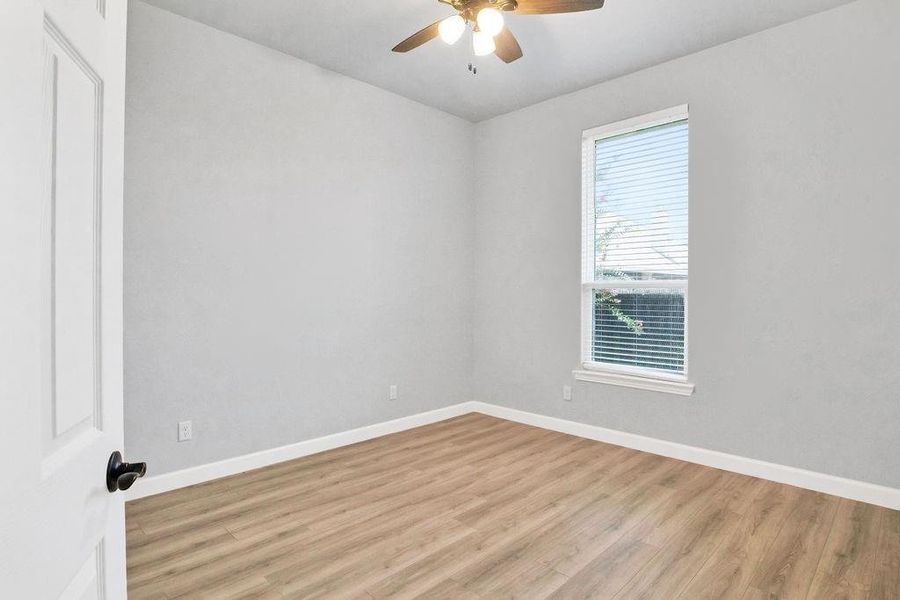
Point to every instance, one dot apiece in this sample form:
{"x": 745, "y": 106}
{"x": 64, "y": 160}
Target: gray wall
{"x": 296, "y": 241}
{"x": 795, "y": 239}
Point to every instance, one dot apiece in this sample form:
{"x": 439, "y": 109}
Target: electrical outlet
{"x": 567, "y": 393}
{"x": 393, "y": 392}
{"x": 185, "y": 431}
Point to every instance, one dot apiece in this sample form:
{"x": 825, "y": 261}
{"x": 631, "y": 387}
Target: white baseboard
{"x": 811, "y": 480}
{"x": 829, "y": 484}
{"x": 174, "y": 480}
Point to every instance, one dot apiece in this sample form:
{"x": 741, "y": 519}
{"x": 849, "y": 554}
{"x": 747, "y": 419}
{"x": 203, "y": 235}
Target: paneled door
{"x": 62, "y": 70}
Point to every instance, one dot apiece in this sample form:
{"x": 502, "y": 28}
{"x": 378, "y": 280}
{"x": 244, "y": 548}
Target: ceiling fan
{"x": 488, "y": 32}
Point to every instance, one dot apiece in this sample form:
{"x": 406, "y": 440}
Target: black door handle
{"x": 120, "y": 475}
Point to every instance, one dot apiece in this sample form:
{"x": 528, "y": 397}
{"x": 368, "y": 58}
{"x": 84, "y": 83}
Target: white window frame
{"x": 623, "y": 375}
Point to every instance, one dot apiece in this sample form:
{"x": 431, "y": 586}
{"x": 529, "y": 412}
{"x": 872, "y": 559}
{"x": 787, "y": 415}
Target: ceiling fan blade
{"x": 549, "y": 7}
{"x": 418, "y": 38}
{"x": 508, "y": 48}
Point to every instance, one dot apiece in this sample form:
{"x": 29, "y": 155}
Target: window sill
{"x": 654, "y": 384}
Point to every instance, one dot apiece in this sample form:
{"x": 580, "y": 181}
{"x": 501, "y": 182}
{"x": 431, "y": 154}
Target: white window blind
{"x": 635, "y": 245}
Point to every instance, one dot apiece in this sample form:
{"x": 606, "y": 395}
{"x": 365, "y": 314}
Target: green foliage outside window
{"x": 607, "y": 298}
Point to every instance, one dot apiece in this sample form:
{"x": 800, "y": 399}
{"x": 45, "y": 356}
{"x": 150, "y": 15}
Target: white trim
{"x": 174, "y": 480}
{"x": 661, "y": 117}
{"x": 650, "y": 382}
{"x": 645, "y": 372}
{"x": 811, "y": 480}
{"x": 828, "y": 484}
{"x": 636, "y": 284}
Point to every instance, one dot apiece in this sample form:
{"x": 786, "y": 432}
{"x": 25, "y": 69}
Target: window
{"x": 635, "y": 252}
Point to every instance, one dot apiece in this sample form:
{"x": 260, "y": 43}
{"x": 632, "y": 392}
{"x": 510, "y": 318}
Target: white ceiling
{"x": 563, "y": 53}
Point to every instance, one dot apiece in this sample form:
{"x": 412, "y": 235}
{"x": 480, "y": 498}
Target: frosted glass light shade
{"x": 482, "y": 43}
{"x": 451, "y": 28}
{"x": 490, "y": 21}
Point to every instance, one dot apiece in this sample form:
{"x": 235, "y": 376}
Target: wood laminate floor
{"x": 477, "y": 507}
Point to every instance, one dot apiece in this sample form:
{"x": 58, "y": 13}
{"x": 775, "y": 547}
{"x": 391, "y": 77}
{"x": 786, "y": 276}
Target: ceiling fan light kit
{"x": 483, "y": 43}
{"x": 452, "y": 28}
{"x": 490, "y": 21}
{"x": 489, "y": 33}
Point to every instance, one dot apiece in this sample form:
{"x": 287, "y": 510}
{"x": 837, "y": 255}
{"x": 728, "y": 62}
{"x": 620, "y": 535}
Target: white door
{"x": 62, "y": 69}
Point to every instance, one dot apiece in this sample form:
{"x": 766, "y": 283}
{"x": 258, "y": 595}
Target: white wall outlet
{"x": 185, "y": 431}
{"x": 567, "y": 393}
{"x": 393, "y": 392}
